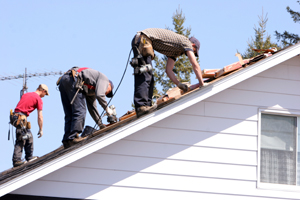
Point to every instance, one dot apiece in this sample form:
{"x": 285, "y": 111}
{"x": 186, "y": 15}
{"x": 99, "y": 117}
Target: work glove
{"x": 109, "y": 111}
{"x": 40, "y": 133}
{"x": 183, "y": 87}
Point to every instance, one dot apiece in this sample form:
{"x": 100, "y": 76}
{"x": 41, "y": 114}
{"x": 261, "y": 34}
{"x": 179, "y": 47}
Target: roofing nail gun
{"x": 112, "y": 118}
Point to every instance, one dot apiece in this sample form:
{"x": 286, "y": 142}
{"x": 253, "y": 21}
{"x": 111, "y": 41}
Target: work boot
{"x": 76, "y": 140}
{"x": 19, "y": 163}
{"x": 66, "y": 144}
{"x": 101, "y": 126}
{"x": 32, "y": 158}
{"x": 145, "y": 109}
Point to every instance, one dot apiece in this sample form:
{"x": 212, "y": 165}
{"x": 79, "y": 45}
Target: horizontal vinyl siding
{"x": 210, "y": 124}
{"x": 288, "y": 70}
{"x": 93, "y": 182}
{"x": 255, "y": 98}
{"x": 195, "y": 138}
{"x": 275, "y": 85}
{"x": 167, "y": 166}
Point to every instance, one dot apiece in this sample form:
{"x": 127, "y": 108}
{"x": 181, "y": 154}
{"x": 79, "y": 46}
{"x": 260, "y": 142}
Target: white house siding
{"x": 207, "y": 151}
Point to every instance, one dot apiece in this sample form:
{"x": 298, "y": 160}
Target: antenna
{"x": 24, "y": 89}
{"x": 25, "y": 76}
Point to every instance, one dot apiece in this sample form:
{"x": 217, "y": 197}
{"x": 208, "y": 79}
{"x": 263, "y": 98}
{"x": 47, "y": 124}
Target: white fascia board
{"x": 149, "y": 119}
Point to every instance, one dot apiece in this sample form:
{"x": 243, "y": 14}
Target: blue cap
{"x": 197, "y": 44}
{"x": 110, "y": 95}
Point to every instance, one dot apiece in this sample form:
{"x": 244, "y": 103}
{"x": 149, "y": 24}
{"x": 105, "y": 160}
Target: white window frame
{"x": 275, "y": 111}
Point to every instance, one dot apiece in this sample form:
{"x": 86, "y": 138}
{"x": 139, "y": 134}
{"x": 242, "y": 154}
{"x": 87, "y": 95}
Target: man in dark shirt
{"x": 172, "y": 45}
{"x": 97, "y": 87}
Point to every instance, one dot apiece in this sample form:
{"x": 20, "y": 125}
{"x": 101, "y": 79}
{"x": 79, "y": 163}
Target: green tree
{"x": 287, "y": 38}
{"x": 182, "y": 69}
{"x": 261, "y": 41}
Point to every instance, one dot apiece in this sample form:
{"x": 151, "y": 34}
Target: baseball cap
{"x": 197, "y": 43}
{"x": 110, "y": 95}
{"x": 44, "y": 87}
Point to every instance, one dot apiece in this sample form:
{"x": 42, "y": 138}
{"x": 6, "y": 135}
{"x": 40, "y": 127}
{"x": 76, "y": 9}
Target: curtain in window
{"x": 278, "y": 149}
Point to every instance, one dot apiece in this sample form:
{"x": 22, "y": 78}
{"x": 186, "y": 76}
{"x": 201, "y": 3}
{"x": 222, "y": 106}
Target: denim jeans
{"x": 75, "y": 113}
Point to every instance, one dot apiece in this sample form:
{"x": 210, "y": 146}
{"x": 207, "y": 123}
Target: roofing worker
{"x": 28, "y": 103}
{"x": 95, "y": 86}
{"x": 165, "y": 42}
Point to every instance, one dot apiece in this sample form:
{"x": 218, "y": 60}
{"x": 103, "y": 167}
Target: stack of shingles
{"x": 216, "y": 73}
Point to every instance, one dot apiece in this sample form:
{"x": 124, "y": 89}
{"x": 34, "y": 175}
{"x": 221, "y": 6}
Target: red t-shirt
{"x": 29, "y": 102}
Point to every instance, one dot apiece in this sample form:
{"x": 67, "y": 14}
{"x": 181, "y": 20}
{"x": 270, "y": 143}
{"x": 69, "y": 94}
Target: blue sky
{"x": 45, "y": 36}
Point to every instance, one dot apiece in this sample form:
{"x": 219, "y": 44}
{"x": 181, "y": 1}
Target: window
{"x": 279, "y": 150}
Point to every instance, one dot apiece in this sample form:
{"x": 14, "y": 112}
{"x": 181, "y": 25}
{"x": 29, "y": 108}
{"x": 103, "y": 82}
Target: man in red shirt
{"x": 28, "y": 103}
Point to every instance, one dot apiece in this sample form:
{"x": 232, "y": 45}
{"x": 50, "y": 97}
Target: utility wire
{"x": 100, "y": 117}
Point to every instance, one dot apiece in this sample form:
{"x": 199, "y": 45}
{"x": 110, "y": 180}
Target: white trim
{"x": 279, "y": 187}
{"x": 258, "y": 149}
{"x": 275, "y": 111}
{"x": 279, "y": 111}
{"x": 147, "y": 120}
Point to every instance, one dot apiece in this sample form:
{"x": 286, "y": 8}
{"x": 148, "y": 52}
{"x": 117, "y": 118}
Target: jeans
{"x": 75, "y": 113}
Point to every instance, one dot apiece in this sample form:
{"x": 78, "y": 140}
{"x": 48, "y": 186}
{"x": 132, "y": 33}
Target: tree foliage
{"x": 289, "y": 38}
{"x": 261, "y": 41}
{"x": 182, "y": 68}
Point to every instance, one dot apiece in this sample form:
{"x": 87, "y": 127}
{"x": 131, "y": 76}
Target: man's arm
{"x": 92, "y": 108}
{"x": 169, "y": 71}
{"x": 196, "y": 67}
{"x": 40, "y": 123}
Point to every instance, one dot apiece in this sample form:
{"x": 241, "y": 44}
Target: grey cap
{"x": 197, "y": 44}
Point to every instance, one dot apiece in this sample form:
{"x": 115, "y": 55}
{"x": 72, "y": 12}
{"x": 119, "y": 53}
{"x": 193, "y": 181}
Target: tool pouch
{"x": 85, "y": 89}
{"x": 28, "y": 125}
{"x": 18, "y": 120}
{"x": 58, "y": 81}
{"x": 145, "y": 47}
{"x": 80, "y": 85}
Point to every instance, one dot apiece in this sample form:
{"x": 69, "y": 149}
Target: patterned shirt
{"x": 168, "y": 42}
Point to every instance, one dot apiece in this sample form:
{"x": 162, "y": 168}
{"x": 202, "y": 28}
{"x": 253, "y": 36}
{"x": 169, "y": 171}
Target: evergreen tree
{"x": 289, "y": 38}
{"x": 262, "y": 39}
{"x": 182, "y": 68}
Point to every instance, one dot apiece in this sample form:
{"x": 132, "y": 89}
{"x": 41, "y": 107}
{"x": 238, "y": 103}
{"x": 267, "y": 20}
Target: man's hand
{"x": 40, "y": 133}
{"x": 109, "y": 111}
{"x": 183, "y": 87}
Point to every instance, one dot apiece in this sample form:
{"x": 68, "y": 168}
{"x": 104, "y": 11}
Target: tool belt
{"x": 19, "y": 120}
{"x": 71, "y": 72}
{"x": 145, "y": 46}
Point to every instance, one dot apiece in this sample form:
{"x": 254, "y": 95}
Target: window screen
{"x": 278, "y": 149}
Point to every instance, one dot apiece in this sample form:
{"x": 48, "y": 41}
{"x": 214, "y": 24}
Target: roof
{"x": 15, "y": 178}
